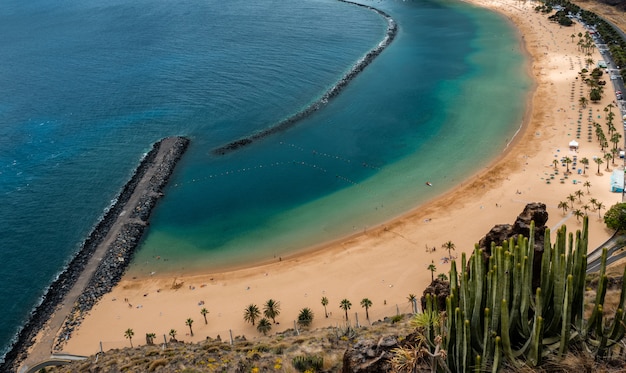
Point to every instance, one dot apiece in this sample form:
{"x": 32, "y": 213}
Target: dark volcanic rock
{"x": 439, "y": 289}
{"x": 536, "y": 212}
{"x": 499, "y": 233}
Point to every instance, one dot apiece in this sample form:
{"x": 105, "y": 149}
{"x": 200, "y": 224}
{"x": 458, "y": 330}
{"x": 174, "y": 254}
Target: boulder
{"x": 370, "y": 356}
{"x": 439, "y": 289}
{"x": 536, "y": 212}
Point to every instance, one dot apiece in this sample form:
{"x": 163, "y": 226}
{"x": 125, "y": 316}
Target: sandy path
{"x": 388, "y": 263}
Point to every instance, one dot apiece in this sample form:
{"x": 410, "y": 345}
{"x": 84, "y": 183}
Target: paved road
{"x": 42, "y": 349}
{"x": 615, "y": 251}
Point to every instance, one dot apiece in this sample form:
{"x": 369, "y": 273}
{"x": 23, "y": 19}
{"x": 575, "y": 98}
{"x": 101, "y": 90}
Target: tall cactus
{"x": 512, "y": 321}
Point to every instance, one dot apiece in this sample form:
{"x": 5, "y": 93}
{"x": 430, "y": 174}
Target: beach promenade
{"x": 118, "y": 238}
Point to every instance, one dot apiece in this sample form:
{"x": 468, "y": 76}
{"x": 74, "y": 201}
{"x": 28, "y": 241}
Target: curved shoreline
{"x": 68, "y": 278}
{"x": 392, "y": 30}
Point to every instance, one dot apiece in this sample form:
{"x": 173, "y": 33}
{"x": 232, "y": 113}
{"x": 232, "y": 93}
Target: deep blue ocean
{"x": 86, "y": 87}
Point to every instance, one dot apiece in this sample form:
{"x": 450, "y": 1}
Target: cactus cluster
{"x": 494, "y": 317}
{"x": 308, "y": 363}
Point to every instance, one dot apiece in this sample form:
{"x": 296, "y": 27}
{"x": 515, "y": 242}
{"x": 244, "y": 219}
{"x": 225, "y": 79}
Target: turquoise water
{"x": 87, "y": 87}
{"x": 430, "y": 108}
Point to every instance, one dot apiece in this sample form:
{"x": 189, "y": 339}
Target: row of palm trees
{"x": 130, "y": 333}
{"x": 585, "y": 43}
{"x": 271, "y": 310}
{"x": 593, "y": 205}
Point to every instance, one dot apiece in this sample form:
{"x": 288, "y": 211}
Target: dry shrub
{"x": 157, "y": 363}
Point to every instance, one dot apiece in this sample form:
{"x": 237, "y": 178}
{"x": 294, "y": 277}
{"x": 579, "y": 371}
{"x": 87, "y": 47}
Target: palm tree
{"x": 615, "y": 139}
{"x": 432, "y": 270}
{"x": 579, "y": 214}
{"x": 173, "y": 333}
{"x": 607, "y": 157}
{"x": 366, "y": 303}
{"x": 579, "y": 193}
{"x": 264, "y": 326}
{"x": 128, "y": 334}
{"x": 614, "y": 152}
{"x": 449, "y": 246}
{"x": 204, "y": 312}
{"x": 571, "y": 198}
{"x": 251, "y": 313}
{"x": 189, "y": 322}
{"x": 563, "y": 206}
{"x": 610, "y": 106}
{"x": 583, "y": 102}
{"x": 325, "y": 303}
{"x": 345, "y": 305}
{"x": 585, "y": 207}
{"x": 305, "y": 317}
{"x": 567, "y": 161}
{"x": 587, "y": 185}
{"x": 150, "y": 338}
{"x": 599, "y": 161}
{"x": 585, "y": 163}
{"x": 271, "y": 309}
{"x": 442, "y": 277}
{"x": 599, "y": 206}
{"x": 556, "y": 164}
{"x": 572, "y": 36}
{"x": 412, "y": 298}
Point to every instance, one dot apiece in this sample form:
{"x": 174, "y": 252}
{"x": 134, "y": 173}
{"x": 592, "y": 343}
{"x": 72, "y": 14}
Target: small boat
{"x": 428, "y": 183}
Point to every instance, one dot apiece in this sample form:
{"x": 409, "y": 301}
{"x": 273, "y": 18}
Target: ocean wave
{"x": 360, "y": 65}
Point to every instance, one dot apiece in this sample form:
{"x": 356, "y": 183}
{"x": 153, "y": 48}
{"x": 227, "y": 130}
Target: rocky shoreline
{"x": 392, "y": 30}
{"x": 117, "y": 257}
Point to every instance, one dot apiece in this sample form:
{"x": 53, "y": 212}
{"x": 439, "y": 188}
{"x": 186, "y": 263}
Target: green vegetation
{"x": 150, "y": 338}
{"x": 271, "y": 309}
{"x": 264, "y": 326}
{"x": 128, "y": 334}
{"x": 308, "y": 363}
{"x": 305, "y": 317}
{"x": 251, "y": 314}
{"x": 611, "y": 36}
{"x": 495, "y": 317}
{"x": 615, "y": 217}
{"x": 189, "y": 322}
{"x": 204, "y": 312}
{"x": 325, "y": 303}
{"x": 345, "y": 305}
{"x": 366, "y": 303}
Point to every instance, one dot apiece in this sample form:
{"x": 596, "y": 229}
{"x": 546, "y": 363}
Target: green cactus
{"x": 494, "y": 314}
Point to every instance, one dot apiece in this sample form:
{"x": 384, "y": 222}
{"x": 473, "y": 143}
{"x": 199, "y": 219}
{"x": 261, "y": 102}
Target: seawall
{"x": 125, "y": 221}
{"x": 392, "y": 30}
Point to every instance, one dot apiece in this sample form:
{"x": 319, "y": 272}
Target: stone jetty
{"x": 392, "y": 30}
{"x": 101, "y": 261}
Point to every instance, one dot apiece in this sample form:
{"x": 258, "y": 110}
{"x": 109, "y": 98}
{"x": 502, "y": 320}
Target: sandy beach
{"x": 388, "y": 263}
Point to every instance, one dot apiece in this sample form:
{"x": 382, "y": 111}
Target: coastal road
{"x": 615, "y": 251}
{"x": 42, "y": 349}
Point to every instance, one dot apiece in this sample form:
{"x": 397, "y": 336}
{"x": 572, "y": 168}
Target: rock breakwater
{"x": 392, "y": 30}
{"x": 135, "y": 203}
